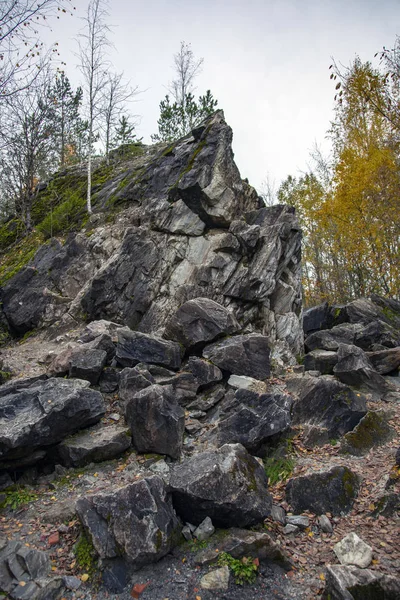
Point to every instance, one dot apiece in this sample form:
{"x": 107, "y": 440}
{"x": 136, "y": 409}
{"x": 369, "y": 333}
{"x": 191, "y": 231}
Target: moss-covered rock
{"x": 373, "y": 430}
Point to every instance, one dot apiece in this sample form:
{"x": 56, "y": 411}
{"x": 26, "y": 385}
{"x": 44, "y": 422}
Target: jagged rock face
{"x": 36, "y": 413}
{"x": 191, "y": 229}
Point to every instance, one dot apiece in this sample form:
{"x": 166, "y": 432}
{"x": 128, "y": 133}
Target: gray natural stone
{"x": 71, "y": 582}
{"x": 241, "y": 542}
{"x": 109, "y": 380}
{"x": 227, "y": 484}
{"x": 320, "y": 360}
{"x": 247, "y": 383}
{"x": 56, "y": 408}
{"x": 88, "y": 364}
{"x": 204, "y": 530}
{"x": 344, "y": 581}
{"x": 299, "y": 520}
{"x": 251, "y": 418}
{"x": 134, "y": 347}
{"x": 187, "y": 533}
{"x": 326, "y": 403}
{"x": 200, "y": 321}
{"x": 331, "y": 491}
{"x": 184, "y": 387}
{"x": 216, "y": 580}
{"x": 316, "y": 318}
{"x": 94, "y": 446}
{"x": 132, "y": 381}
{"x": 354, "y": 368}
{"x": 387, "y": 505}
{"x": 329, "y": 339}
{"x": 242, "y": 355}
{"x": 203, "y": 371}
{"x": 288, "y": 529}
{"x": 377, "y": 333}
{"x": 325, "y": 524}
{"x": 278, "y": 514}
{"x": 352, "y": 550}
{"x": 156, "y": 421}
{"x": 136, "y": 522}
{"x": 373, "y": 430}
{"x": 385, "y": 361}
{"x": 208, "y": 399}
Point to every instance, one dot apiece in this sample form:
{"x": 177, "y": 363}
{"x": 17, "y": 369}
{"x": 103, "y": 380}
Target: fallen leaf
{"x": 84, "y": 577}
{"x": 22, "y": 583}
{"x": 138, "y": 589}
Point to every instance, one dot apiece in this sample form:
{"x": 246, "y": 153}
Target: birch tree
{"x": 93, "y": 44}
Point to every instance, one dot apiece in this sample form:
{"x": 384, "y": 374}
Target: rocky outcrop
{"x": 241, "y": 355}
{"x": 190, "y": 228}
{"x": 343, "y": 581}
{"x": 94, "y": 446}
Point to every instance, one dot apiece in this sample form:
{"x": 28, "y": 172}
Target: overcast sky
{"x": 266, "y": 61}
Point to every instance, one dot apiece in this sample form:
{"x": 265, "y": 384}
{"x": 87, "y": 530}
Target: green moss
{"x": 17, "y": 496}
{"x": 159, "y": 540}
{"x": 86, "y": 555}
{"x": 67, "y": 216}
{"x": 10, "y": 232}
{"x": 371, "y": 431}
{"x": 19, "y": 256}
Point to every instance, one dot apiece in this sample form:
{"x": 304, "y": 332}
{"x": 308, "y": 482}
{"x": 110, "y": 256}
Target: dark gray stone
{"x": 377, "y": 333}
{"x": 278, "y": 514}
{"x": 136, "y": 522}
{"x": 109, "y": 380}
{"x": 132, "y": 381}
{"x": 156, "y": 420}
{"x": 352, "y": 583}
{"x": 103, "y": 342}
{"x": 385, "y": 361}
{"x": 332, "y": 491}
{"x": 252, "y": 418}
{"x": 204, "y": 530}
{"x": 316, "y": 318}
{"x": 326, "y": 403}
{"x": 227, "y": 484}
{"x": 94, "y": 446}
{"x": 354, "y": 368}
{"x": 200, "y": 321}
{"x": 204, "y": 372}
{"x": 325, "y": 524}
{"x": 56, "y": 408}
{"x": 373, "y": 430}
{"x": 320, "y": 360}
{"x": 300, "y": 521}
{"x": 242, "y": 355}
{"x": 134, "y": 347}
{"x": 184, "y": 387}
{"x": 329, "y": 339}
{"x": 88, "y": 364}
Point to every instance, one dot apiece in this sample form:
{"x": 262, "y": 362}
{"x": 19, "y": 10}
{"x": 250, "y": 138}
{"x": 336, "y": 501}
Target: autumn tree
{"x": 22, "y": 52}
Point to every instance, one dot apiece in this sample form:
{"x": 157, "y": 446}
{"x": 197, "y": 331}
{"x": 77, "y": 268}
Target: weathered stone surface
{"x": 156, "y": 421}
{"x": 241, "y": 355}
{"x": 94, "y": 446}
{"x": 208, "y": 399}
{"x": 278, "y": 514}
{"x": 204, "y": 530}
{"x": 344, "y": 581}
{"x": 329, "y": 339}
{"x": 326, "y": 403}
{"x": 300, "y": 521}
{"x": 354, "y": 368}
{"x": 134, "y": 347}
{"x": 88, "y": 364}
{"x": 325, "y": 524}
{"x": 200, "y": 321}
{"x": 377, "y": 333}
{"x": 373, "y": 430}
{"x": 387, "y": 505}
{"x": 320, "y": 360}
{"x": 42, "y": 412}
{"x": 385, "y": 361}
{"x": 109, "y": 380}
{"x": 332, "y": 491}
{"x": 132, "y": 381}
{"x": 136, "y": 522}
{"x": 352, "y": 550}
{"x": 241, "y": 382}
{"x": 251, "y": 418}
{"x": 19, "y": 563}
{"x": 216, "y": 580}
{"x": 204, "y": 372}
{"x": 184, "y": 387}
{"x": 316, "y": 318}
{"x": 227, "y": 484}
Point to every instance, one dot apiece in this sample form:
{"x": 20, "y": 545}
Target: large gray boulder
{"x": 88, "y": 364}
{"x": 156, "y": 421}
{"x": 200, "y": 321}
{"x": 252, "y": 418}
{"x": 242, "y": 355}
{"x": 331, "y": 491}
{"x": 36, "y": 413}
{"x": 348, "y": 583}
{"x": 385, "y": 361}
{"x": 94, "y": 446}
{"x": 326, "y": 403}
{"x": 134, "y": 347}
{"x": 136, "y": 522}
{"x": 320, "y": 360}
{"x": 228, "y": 485}
{"x": 354, "y": 368}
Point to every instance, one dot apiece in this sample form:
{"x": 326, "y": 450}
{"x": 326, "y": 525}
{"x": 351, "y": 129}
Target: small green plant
{"x": 18, "y": 497}
{"x": 245, "y": 569}
{"x": 278, "y": 468}
{"x": 333, "y": 442}
{"x": 86, "y": 555}
{"x": 196, "y": 545}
